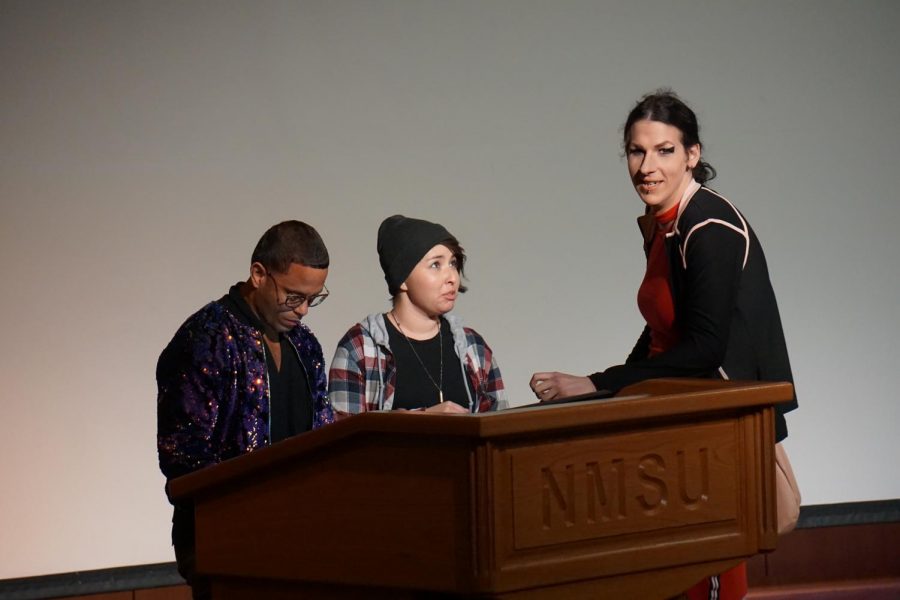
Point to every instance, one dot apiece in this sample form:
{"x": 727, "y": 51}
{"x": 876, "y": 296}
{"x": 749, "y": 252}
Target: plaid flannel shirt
{"x": 363, "y": 375}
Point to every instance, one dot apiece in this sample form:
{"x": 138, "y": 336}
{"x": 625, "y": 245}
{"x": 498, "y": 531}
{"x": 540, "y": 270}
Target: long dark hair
{"x": 665, "y": 106}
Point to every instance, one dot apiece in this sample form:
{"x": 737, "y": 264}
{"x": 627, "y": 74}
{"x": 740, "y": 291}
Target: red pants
{"x": 730, "y": 585}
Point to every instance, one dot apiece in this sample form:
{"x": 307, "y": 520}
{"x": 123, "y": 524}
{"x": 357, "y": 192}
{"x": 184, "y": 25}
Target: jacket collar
{"x": 376, "y": 327}
{"x": 237, "y": 305}
{"x": 647, "y": 224}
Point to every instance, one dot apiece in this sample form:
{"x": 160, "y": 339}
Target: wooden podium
{"x": 639, "y": 496}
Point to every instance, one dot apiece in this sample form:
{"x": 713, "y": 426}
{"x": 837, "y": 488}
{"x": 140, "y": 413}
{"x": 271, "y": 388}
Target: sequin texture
{"x": 213, "y": 400}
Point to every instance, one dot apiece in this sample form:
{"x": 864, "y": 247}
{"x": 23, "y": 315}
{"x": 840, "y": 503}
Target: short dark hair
{"x": 665, "y": 106}
{"x": 459, "y": 254}
{"x": 291, "y": 242}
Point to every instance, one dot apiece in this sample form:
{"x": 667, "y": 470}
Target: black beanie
{"x": 402, "y": 242}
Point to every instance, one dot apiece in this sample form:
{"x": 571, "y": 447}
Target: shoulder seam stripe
{"x": 743, "y": 230}
{"x": 702, "y": 224}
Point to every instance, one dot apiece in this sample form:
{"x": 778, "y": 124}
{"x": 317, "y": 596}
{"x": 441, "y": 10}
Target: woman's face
{"x": 433, "y": 284}
{"x": 659, "y": 164}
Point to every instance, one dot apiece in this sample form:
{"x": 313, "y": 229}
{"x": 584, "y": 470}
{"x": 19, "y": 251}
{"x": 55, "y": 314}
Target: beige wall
{"x": 145, "y": 146}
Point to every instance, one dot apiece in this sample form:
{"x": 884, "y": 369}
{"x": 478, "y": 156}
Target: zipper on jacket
{"x": 268, "y": 395}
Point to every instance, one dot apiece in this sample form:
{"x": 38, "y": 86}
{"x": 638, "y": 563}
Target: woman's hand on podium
{"x": 553, "y": 385}
{"x": 447, "y": 408}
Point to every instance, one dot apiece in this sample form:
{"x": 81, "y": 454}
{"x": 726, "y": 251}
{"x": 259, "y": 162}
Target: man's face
{"x": 274, "y": 291}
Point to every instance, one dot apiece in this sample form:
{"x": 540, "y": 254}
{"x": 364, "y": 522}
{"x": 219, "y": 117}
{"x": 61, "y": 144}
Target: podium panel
{"x": 659, "y": 481}
{"x": 634, "y": 497}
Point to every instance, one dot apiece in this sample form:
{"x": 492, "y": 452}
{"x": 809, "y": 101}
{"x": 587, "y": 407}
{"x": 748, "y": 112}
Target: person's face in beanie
{"x": 433, "y": 284}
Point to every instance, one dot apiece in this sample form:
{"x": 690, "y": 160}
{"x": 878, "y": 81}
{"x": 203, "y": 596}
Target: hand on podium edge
{"x": 447, "y": 408}
{"x": 552, "y": 385}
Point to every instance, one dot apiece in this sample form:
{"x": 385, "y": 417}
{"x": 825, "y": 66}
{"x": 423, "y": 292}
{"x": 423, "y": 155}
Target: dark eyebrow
{"x": 659, "y": 145}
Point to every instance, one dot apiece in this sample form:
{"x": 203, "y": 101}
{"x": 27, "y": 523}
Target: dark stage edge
{"x": 164, "y": 574}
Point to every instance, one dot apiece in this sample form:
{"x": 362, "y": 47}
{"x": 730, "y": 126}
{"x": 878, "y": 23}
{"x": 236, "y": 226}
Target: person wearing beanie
{"x": 416, "y": 356}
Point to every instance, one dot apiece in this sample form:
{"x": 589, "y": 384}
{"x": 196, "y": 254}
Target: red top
{"x": 658, "y": 309}
{"x": 655, "y": 294}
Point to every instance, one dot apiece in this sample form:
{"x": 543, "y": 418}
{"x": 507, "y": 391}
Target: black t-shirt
{"x": 290, "y": 410}
{"x": 414, "y": 389}
{"x": 290, "y": 404}
{"x": 290, "y": 398}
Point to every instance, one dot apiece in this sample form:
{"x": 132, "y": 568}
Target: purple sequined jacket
{"x": 213, "y": 401}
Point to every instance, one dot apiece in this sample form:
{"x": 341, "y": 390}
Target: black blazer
{"x": 725, "y": 308}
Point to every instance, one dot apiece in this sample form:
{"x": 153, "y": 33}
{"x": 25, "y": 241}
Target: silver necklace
{"x": 438, "y": 386}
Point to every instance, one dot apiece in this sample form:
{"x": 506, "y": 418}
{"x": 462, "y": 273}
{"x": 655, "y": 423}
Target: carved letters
{"x": 622, "y": 484}
{"x": 604, "y": 487}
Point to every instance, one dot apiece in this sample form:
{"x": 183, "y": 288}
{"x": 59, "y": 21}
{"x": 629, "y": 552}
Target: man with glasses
{"x": 243, "y": 372}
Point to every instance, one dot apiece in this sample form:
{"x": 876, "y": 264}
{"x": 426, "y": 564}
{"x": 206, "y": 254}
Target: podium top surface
{"x": 649, "y": 401}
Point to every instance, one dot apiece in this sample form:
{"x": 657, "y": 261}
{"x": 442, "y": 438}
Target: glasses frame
{"x": 295, "y": 301}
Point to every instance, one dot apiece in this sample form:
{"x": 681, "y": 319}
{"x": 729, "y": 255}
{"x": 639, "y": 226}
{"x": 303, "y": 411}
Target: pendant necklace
{"x": 438, "y": 386}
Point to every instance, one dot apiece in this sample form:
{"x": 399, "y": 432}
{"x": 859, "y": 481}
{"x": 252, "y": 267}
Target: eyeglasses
{"x": 296, "y": 300}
